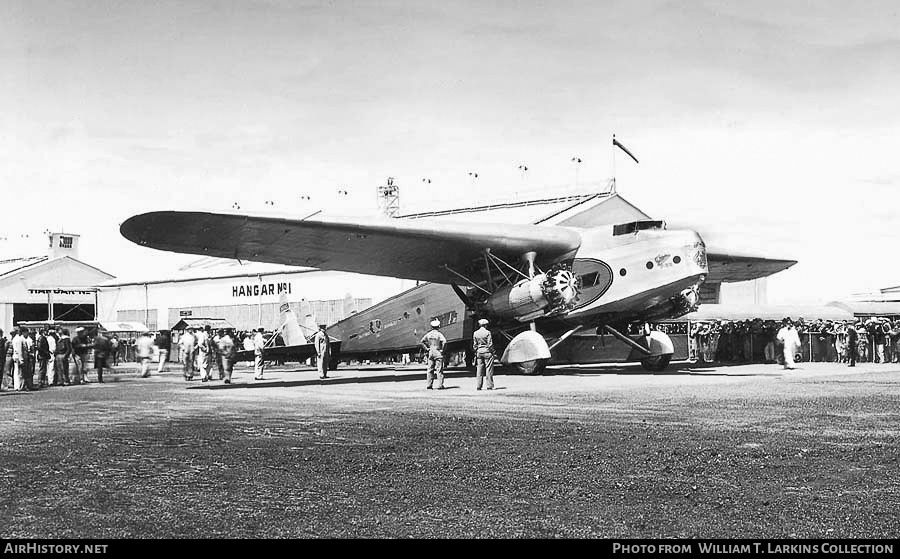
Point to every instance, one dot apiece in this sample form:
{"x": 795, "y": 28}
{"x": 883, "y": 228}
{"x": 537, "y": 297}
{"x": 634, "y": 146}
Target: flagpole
{"x": 612, "y": 189}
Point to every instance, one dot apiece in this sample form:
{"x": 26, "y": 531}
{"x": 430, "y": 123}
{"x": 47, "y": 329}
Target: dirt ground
{"x": 733, "y": 452}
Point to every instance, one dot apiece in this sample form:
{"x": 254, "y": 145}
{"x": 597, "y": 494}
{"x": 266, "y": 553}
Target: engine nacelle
{"x": 542, "y": 295}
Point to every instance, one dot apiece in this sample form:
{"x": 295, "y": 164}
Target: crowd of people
{"x": 871, "y": 340}
{"x": 199, "y": 350}
{"x": 45, "y": 357}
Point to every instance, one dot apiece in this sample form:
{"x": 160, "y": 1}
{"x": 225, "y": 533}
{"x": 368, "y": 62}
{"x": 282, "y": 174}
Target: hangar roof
{"x": 869, "y": 308}
{"x": 16, "y": 264}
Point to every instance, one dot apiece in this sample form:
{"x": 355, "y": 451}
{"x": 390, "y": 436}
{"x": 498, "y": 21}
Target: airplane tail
{"x": 290, "y": 326}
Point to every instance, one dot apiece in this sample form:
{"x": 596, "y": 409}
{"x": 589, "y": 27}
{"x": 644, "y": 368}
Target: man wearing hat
{"x": 434, "y": 343}
{"x": 323, "y": 351}
{"x": 484, "y": 354}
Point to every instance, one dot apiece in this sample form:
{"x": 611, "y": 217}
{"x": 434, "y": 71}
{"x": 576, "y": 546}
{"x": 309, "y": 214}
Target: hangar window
{"x": 65, "y": 241}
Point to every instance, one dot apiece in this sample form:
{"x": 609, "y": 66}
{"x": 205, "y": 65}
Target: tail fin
{"x": 290, "y": 327}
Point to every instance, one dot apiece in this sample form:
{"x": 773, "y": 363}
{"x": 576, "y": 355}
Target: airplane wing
{"x": 732, "y": 267}
{"x": 411, "y": 249}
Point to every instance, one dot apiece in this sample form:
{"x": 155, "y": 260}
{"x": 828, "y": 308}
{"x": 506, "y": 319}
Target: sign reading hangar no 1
{"x": 257, "y": 289}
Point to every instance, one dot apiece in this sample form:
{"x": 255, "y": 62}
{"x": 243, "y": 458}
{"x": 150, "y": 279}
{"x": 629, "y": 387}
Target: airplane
{"x": 297, "y": 347}
{"x": 537, "y": 283}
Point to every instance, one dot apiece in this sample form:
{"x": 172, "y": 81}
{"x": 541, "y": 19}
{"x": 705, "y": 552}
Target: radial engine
{"x": 544, "y": 294}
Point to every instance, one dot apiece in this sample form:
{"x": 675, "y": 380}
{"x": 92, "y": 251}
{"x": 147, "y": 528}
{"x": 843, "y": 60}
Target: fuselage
{"x": 634, "y": 273}
{"x": 607, "y": 295}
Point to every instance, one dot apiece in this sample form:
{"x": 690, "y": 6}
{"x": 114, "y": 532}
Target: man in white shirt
{"x": 19, "y": 349}
{"x": 259, "y": 342}
{"x": 203, "y": 352}
{"x": 187, "y": 343}
{"x": 145, "y": 353}
{"x": 790, "y": 341}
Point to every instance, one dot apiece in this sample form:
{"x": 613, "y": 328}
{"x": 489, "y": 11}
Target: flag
{"x": 616, "y": 143}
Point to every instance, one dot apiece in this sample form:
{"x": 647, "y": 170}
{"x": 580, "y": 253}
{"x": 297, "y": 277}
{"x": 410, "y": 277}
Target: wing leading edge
{"x": 732, "y": 267}
{"x": 418, "y": 249}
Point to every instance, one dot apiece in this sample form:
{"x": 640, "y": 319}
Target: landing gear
{"x": 532, "y": 367}
{"x": 656, "y": 363}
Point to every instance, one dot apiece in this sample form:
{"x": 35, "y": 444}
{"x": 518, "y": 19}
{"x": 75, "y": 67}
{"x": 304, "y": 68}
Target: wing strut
{"x": 627, "y": 340}
{"x": 566, "y": 335}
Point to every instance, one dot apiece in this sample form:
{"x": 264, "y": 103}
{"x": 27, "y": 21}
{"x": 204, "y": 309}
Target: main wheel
{"x": 656, "y": 363}
{"x": 533, "y": 367}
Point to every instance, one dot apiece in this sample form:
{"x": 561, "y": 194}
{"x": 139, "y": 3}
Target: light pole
{"x": 577, "y": 161}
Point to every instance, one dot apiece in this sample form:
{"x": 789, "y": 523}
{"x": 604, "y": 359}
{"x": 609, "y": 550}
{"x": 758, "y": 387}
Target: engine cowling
{"x": 544, "y": 294}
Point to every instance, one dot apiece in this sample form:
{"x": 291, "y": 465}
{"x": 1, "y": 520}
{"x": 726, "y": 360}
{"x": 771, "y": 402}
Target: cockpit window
{"x": 635, "y": 226}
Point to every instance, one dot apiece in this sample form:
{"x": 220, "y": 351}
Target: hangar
{"x": 247, "y": 295}
{"x": 53, "y": 286}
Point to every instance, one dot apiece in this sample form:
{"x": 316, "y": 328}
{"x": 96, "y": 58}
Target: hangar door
{"x": 61, "y": 311}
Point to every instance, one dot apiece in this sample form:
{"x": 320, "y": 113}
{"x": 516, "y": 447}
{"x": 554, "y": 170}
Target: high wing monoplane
{"x": 538, "y": 283}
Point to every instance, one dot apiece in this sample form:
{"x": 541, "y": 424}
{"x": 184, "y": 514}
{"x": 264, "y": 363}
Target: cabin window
{"x": 405, "y": 315}
{"x": 590, "y": 280}
{"x": 677, "y": 260}
{"x": 649, "y": 265}
{"x": 622, "y": 272}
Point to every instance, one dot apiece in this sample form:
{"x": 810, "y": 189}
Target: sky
{"x": 773, "y": 125}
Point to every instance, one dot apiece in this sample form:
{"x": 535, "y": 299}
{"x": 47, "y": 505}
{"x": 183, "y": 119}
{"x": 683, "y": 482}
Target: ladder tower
{"x": 389, "y": 198}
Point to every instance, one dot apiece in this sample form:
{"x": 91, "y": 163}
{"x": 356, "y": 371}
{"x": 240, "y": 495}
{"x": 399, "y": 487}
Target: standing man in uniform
{"x": 323, "y": 351}
{"x": 434, "y": 343}
{"x": 259, "y": 344}
{"x": 483, "y": 344}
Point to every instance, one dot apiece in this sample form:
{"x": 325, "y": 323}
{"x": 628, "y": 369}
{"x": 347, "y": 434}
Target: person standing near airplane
{"x": 852, "y": 341}
{"x": 187, "y": 343}
{"x": 163, "y": 344}
{"x": 80, "y": 348}
{"x": 205, "y": 351}
{"x": 102, "y": 349}
{"x": 216, "y": 354}
{"x": 434, "y": 343}
{"x": 323, "y": 351}
{"x": 145, "y": 353}
{"x": 483, "y": 344}
{"x": 226, "y": 351}
{"x": 63, "y": 353}
{"x": 259, "y": 344}
{"x": 790, "y": 340}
